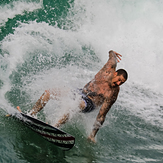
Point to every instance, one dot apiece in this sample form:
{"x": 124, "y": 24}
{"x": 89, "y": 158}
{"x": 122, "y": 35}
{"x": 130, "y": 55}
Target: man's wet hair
{"x": 123, "y": 73}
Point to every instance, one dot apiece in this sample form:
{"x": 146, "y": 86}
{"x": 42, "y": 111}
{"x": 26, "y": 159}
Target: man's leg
{"x": 41, "y": 103}
{"x": 65, "y": 117}
{"x": 63, "y": 120}
{"x": 82, "y": 105}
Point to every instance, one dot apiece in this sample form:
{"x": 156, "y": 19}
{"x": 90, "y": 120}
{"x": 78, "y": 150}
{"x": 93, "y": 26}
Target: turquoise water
{"x": 62, "y": 44}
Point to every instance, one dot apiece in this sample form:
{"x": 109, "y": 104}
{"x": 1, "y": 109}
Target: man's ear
{"x": 115, "y": 74}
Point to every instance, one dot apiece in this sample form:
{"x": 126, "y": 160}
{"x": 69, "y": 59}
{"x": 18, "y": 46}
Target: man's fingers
{"x": 117, "y": 54}
{"x": 119, "y": 57}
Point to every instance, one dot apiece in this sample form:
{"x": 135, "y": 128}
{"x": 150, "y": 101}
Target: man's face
{"x": 117, "y": 80}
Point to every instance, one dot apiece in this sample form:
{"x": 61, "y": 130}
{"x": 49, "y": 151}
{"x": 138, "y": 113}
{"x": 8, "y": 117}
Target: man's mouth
{"x": 115, "y": 84}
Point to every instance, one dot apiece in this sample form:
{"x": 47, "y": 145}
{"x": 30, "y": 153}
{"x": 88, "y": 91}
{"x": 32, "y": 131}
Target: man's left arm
{"x": 108, "y": 102}
{"x": 99, "y": 120}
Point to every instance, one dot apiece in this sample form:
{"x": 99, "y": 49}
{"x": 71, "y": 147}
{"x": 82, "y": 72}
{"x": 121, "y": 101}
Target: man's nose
{"x": 119, "y": 82}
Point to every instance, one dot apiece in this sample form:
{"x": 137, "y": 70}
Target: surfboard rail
{"x": 54, "y": 135}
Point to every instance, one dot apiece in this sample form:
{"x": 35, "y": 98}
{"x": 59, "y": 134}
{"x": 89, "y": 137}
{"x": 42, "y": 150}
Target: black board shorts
{"x": 89, "y": 104}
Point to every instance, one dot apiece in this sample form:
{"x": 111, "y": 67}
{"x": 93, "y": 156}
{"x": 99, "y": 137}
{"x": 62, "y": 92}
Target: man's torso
{"x": 100, "y": 88}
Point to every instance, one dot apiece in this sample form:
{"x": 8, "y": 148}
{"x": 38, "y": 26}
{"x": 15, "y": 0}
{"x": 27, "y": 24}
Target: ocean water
{"x": 62, "y": 44}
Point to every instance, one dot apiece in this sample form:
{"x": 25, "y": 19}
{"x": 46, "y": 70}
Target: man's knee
{"x": 46, "y": 95}
{"x": 82, "y": 105}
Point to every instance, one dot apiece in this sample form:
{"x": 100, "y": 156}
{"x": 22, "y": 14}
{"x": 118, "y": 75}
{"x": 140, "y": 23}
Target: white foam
{"x": 133, "y": 29}
{"x": 12, "y": 9}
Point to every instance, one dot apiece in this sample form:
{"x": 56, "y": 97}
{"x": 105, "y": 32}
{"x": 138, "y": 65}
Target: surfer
{"x": 101, "y": 91}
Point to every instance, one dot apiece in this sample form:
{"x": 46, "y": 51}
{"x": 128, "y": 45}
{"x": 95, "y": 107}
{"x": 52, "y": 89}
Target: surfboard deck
{"x": 54, "y": 135}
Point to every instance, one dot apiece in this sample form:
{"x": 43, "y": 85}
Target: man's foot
{"x": 18, "y": 108}
{"x": 8, "y": 115}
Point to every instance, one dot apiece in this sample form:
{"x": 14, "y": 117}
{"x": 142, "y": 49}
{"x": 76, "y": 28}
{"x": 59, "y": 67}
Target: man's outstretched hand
{"x": 118, "y": 56}
{"x": 92, "y": 139}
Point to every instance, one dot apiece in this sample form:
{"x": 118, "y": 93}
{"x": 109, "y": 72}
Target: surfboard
{"x": 54, "y": 135}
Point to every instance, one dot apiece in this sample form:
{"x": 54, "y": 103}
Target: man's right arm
{"x": 118, "y": 56}
{"x": 112, "y": 62}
